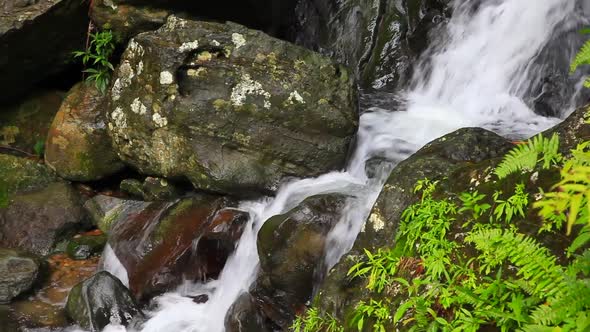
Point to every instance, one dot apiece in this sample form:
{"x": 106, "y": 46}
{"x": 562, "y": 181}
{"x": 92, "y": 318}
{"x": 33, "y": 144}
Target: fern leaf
{"x": 582, "y": 58}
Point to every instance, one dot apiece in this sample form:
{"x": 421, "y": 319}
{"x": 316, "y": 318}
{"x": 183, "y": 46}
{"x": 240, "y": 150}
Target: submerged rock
{"x": 37, "y": 39}
{"x": 18, "y": 272}
{"x": 101, "y": 300}
{"x": 231, "y": 109}
{"x": 160, "y": 244}
{"x": 78, "y": 147}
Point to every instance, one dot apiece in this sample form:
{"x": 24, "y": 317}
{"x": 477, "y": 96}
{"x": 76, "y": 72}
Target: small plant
{"x": 314, "y": 321}
{"x": 525, "y": 157}
{"x": 582, "y": 58}
{"x": 96, "y": 59}
{"x": 514, "y": 205}
{"x": 39, "y": 148}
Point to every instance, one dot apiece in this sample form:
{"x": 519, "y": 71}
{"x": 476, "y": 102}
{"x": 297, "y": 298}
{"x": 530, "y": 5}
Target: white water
{"x": 478, "y": 76}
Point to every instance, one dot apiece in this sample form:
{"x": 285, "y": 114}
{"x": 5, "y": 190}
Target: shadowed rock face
{"x": 231, "y": 109}
{"x": 37, "y": 39}
{"x": 160, "y": 244}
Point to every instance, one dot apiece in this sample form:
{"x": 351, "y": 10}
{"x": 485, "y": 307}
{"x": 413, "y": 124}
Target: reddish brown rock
{"x": 78, "y": 147}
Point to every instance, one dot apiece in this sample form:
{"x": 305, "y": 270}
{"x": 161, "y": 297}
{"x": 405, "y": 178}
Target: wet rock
{"x": 37, "y": 41}
{"x": 7, "y": 321}
{"x": 85, "y": 246}
{"x": 160, "y": 244}
{"x": 45, "y": 308}
{"x": 104, "y": 210}
{"x": 78, "y": 147}
{"x": 380, "y": 40}
{"x": 230, "y": 109}
{"x": 18, "y": 272}
{"x": 152, "y": 189}
{"x": 573, "y": 130}
{"x": 38, "y": 220}
{"x": 244, "y": 316}
{"x": 101, "y": 300}
{"x": 291, "y": 249}
{"x": 24, "y": 125}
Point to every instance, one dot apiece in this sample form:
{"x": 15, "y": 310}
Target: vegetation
{"x": 96, "y": 59}
{"x": 582, "y": 58}
{"x": 490, "y": 275}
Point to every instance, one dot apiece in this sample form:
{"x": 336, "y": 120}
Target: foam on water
{"x": 477, "y": 74}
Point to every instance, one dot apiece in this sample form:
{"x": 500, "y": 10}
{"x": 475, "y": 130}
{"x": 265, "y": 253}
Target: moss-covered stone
{"x": 20, "y": 175}
{"x": 18, "y": 272}
{"x": 78, "y": 147}
{"x": 85, "y": 246}
{"x": 231, "y": 109}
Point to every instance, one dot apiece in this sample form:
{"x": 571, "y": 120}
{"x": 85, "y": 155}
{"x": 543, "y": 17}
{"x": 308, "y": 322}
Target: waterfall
{"x": 478, "y": 73}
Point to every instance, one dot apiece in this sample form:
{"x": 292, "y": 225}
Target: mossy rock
{"x": 230, "y": 109}
{"x": 84, "y": 246}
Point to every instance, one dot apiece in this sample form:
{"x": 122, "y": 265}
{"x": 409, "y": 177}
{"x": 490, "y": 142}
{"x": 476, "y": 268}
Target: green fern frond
{"x": 525, "y": 157}
{"x": 536, "y": 265}
{"x": 582, "y": 58}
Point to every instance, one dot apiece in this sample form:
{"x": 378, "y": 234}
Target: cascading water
{"x": 479, "y": 74}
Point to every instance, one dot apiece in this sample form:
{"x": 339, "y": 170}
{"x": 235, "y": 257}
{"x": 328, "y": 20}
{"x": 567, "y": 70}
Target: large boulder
{"x": 161, "y": 244}
{"x": 380, "y": 40}
{"x": 24, "y": 124}
{"x": 78, "y": 147}
{"x": 18, "y": 272}
{"x": 37, "y": 39}
{"x": 230, "y": 109}
{"x": 102, "y": 300}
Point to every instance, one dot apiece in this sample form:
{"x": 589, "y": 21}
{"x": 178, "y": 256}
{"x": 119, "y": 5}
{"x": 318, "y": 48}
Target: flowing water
{"x": 480, "y": 72}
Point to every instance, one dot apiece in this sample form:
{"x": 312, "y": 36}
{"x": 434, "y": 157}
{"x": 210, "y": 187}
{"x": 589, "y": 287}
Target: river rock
{"x": 160, "y": 244}
{"x": 380, "y": 40}
{"x": 78, "y": 147}
{"x": 86, "y": 245}
{"x": 18, "y": 272}
{"x": 231, "y": 109}
{"x": 101, "y": 300}
{"x": 24, "y": 125}
{"x": 245, "y": 316}
{"x": 291, "y": 248}
{"x": 37, "y": 39}
{"x": 151, "y": 189}
{"x": 104, "y": 210}
{"x": 38, "y": 220}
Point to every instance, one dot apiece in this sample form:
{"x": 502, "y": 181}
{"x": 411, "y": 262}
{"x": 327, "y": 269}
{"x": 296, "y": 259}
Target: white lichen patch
{"x": 166, "y": 78}
{"x": 173, "y": 23}
{"x": 139, "y": 68}
{"x": 135, "y": 50}
{"x": 376, "y": 221}
{"x": 215, "y": 43}
{"x": 196, "y": 72}
{"x": 138, "y": 107}
{"x": 125, "y": 75}
{"x": 188, "y": 46}
{"x": 119, "y": 118}
{"x": 295, "y": 97}
{"x": 110, "y": 4}
{"x": 238, "y": 40}
{"x": 159, "y": 120}
{"x": 535, "y": 177}
{"x": 246, "y": 87}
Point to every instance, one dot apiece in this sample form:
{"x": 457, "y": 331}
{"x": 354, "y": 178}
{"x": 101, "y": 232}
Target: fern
{"x": 526, "y": 156}
{"x": 582, "y": 58}
{"x": 536, "y": 265}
